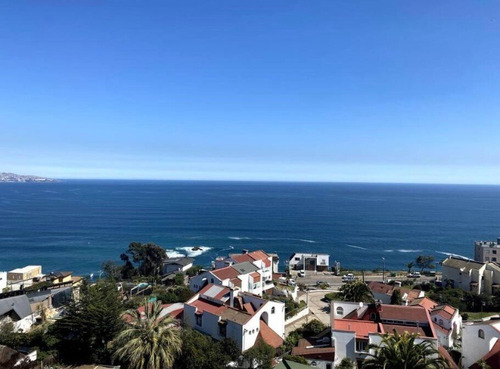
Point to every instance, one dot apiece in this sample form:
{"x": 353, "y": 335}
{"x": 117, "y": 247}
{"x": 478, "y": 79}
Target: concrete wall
{"x": 473, "y": 347}
{"x": 345, "y": 345}
{"x": 297, "y": 316}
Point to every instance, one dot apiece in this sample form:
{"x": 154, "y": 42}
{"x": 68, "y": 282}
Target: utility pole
{"x": 383, "y": 271}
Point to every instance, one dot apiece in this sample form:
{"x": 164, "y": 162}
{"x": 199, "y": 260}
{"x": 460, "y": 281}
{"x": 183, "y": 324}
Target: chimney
{"x": 231, "y": 297}
{"x": 244, "y": 251}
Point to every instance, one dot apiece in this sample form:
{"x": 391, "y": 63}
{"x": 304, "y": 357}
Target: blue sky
{"x": 370, "y": 91}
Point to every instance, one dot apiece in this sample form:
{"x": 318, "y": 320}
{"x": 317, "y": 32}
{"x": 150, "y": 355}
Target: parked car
{"x": 348, "y": 277}
{"x": 302, "y": 273}
{"x": 414, "y": 275}
{"x": 282, "y": 280}
{"x": 291, "y": 282}
{"x": 321, "y": 283}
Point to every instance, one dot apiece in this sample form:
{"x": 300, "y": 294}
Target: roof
{"x": 178, "y": 261}
{"x": 225, "y": 273}
{"x": 255, "y": 276}
{"x": 244, "y": 268}
{"x": 60, "y": 274}
{"x": 307, "y": 348}
{"x": 288, "y": 364}
{"x": 390, "y": 328}
{"x": 20, "y": 305}
{"x": 25, "y": 269}
{"x": 261, "y": 255}
{"x": 215, "y": 291}
{"x": 464, "y": 265}
{"x": 441, "y": 329}
{"x": 241, "y": 258}
{"x": 492, "y": 358}
{"x": 446, "y": 311}
{"x": 446, "y": 355}
{"x": 361, "y": 327}
{"x": 403, "y": 313}
{"x": 208, "y": 306}
{"x": 380, "y": 287}
{"x": 7, "y": 355}
{"x": 235, "y": 315}
{"x": 269, "y": 336}
{"x": 425, "y": 302}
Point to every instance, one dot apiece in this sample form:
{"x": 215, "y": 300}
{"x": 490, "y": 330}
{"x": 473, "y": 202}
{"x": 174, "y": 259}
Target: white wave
{"x": 174, "y": 254}
{"x": 194, "y": 251}
{"x": 408, "y": 250}
{"x": 356, "y": 247}
{"x": 239, "y": 238}
{"x": 388, "y": 250}
{"x": 452, "y": 254}
{"x": 284, "y": 239}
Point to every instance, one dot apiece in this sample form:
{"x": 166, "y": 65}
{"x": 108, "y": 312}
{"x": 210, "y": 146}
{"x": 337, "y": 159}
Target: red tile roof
{"x": 240, "y": 258}
{"x": 361, "y": 327}
{"x": 446, "y": 311}
{"x": 269, "y": 336}
{"x": 249, "y": 308}
{"x": 403, "y": 313}
{"x": 445, "y": 354}
{"x": 225, "y": 273}
{"x": 390, "y": 328}
{"x": 306, "y": 348}
{"x": 222, "y": 291}
{"x": 202, "y": 306}
{"x": 439, "y": 328}
{"x": 255, "y": 276}
{"x": 425, "y": 302}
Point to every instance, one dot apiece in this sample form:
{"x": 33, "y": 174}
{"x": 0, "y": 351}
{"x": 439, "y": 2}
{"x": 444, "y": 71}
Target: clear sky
{"x": 372, "y": 91}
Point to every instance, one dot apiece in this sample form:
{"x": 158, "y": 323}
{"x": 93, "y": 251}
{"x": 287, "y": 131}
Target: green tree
{"x": 151, "y": 342}
{"x": 179, "y": 279}
{"x": 345, "y": 364}
{"x": 355, "y": 291}
{"x": 313, "y": 328}
{"x": 410, "y": 265}
{"x": 425, "y": 262}
{"x": 402, "y": 352}
{"x": 200, "y": 351}
{"x": 112, "y": 270}
{"x": 90, "y": 325}
{"x": 396, "y": 298}
{"x": 260, "y": 356}
{"x": 148, "y": 256}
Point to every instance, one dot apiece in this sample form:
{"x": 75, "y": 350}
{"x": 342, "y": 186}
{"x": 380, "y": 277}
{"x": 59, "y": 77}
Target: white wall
{"x": 473, "y": 347}
{"x": 345, "y": 345}
{"x": 3, "y": 281}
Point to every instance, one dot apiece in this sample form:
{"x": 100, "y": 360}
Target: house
{"x": 265, "y": 262}
{"x": 19, "y": 278}
{"x": 3, "y": 281}
{"x": 473, "y": 276}
{"x": 17, "y": 310}
{"x": 481, "y": 341}
{"x": 59, "y": 277}
{"x": 244, "y": 275}
{"x": 221, "y": 312}
{"x": 383, "y": 292}
{"x": 316, "y": 350}
{"x": 10, "y": 358}
{"x": 313, "y": 262}
{"x": 485, "y": 251}
{"x": 446, "y": 319}
{"x": 177, "y": 265}
{"x": 355, "y": 326}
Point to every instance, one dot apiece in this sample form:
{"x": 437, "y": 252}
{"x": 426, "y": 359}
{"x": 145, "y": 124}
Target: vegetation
{"x": 313, "y": 328}
{"x": 332, "y": 296}
{"x": 425, "y": 262}
{"x": 148, "y": 342}
{"x": 355, "y": 291}
{"x": 175, "y": 294}
{"x": 345, "y": 364}
{"x": 90, "y": 325}
{"x": 396, "y": 298}
{"x": 148, "y": 257}
{"x": 402, "y": 352}
{"x": 201, "y": 351}
{"x": 194, "y": 270}
{"x": 260, "y": 356}
{"x": 297, "y": 359}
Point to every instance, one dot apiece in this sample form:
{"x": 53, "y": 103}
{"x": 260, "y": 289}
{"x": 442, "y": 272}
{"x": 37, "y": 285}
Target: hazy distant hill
{"x": 11, "y": 177}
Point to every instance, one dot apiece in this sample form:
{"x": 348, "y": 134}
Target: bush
{"x": 176, "y": 294}
{"x": 332, "y": 296}
{"x": 297, "y": 359}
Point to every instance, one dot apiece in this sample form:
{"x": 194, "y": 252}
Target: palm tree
{"x": 410, "y": 265}
{"x": 401, "y": 352}
{"x": 355, "y": 291}
{"x": 149, "y": 342}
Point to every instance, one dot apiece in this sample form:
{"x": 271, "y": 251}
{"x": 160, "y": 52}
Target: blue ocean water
{"x": 76, "y": 225}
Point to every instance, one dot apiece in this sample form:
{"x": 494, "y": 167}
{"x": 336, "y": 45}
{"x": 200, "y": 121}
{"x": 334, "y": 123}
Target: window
{"x": 340, "y": 310}
{"x": 297, "y": 258}
{"x": 493, "y": 259}
{"x": 212, "y": 280}
{"x": 440, "y": 322}
{"x": 494, "y": 252}
{"x": 273, "y": 310}
{"x": 435, "y": 319}
{"x": 222, "y": 329}
{"x": 361, "y": 345}
{"x": 328, "y": 366}
{"x": 480, "y": 334}
{"x": 373, "y": 316}
{"x": 198, "y": 320}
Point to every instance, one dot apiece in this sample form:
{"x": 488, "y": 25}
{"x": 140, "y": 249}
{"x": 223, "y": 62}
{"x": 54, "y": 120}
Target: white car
{"x": 414, "y": 275}
{"x": 291, "y": 282}
{"x": 348, "y": 277}
{"x": 302, "y": 273}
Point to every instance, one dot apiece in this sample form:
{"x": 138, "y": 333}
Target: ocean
{"x": 77, "y": 224}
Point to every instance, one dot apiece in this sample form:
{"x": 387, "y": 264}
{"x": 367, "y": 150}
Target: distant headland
{"x": 11, "y": 177}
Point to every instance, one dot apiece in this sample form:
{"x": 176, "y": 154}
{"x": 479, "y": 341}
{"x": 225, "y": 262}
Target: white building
{"x": 446, "y": 319}
{"x": 177, "y": 265}
{"x": 222, "y": 312}
{"x": 355, "y": 326}
{"x": 480, "y": 340}
{"x": 245, "y": 276}
{"x": 17, "y": 310}
{"x": 3, "y": 281}
{"x": 312, "y": 262}
{"x": 263, "y": 261}
{"x": 487, "y": 251}
{"x": 471, "y": 275}
{"x": 20, "y": 278}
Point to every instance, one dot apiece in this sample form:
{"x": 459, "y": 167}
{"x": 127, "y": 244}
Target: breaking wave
{"x": 452, "y": 254}
{"x": 356, "y": 247}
